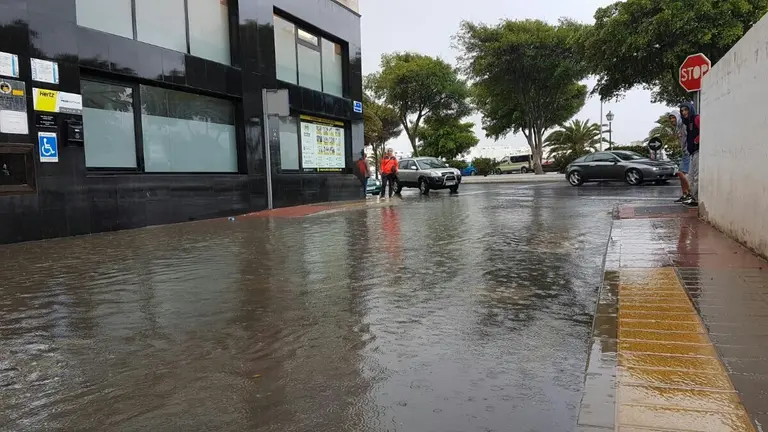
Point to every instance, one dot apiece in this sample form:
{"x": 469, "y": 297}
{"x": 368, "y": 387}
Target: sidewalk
{"x": 514, "y": 178}
{"x": 680, "y": 339}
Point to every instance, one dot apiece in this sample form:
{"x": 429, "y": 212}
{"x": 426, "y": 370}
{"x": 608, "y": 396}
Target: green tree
{"x": 668, "y": 135}
{"x": 525, "y": 77}
{"x": 417, "y": 87}
{"x": 573, "y": 141}
{"x": 644, "y": 42}
{"x": 382, "y": 125}
{"x": 446, "y": 137}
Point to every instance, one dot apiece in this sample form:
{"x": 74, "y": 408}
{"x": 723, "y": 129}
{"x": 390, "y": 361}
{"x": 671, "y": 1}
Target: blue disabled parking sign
{"x": 48, "y": 144}
{"x": 358, "y": 106}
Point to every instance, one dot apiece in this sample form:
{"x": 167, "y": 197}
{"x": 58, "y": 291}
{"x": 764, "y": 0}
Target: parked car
{"x": 510, "y": 164}
{"x": 427, "y": 173}
{"x": 549, "y": 166}
{"x": 619, "y": 165}
{"x": 373, "y": 187}
{"x": 469, "y": 171}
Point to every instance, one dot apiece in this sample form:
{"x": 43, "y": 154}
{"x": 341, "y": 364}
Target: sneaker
{"x": 690, "y": 202}
{"x": 682, "y": 199}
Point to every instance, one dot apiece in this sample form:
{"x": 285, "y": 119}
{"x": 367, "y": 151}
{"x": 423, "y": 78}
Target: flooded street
{"x": 444, "y": 313}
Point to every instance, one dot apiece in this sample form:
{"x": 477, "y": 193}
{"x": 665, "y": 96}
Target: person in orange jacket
{"x": 388, "y": 172}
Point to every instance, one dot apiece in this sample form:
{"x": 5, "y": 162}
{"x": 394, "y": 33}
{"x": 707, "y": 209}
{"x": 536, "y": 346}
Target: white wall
{"x": 734, "y": 141}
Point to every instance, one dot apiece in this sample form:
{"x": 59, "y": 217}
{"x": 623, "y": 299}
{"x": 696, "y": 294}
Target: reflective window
{"x": 162, "y": 23}
{"x": 183, "y": 132}
{"x": 332, "y": 68}
{"x": 119, "y": 20}
{"x": 308, "y": 60}
{"x": 603, "y": 157}
{"x": 310, "y": 70}
{"x": 209, "y": 30}
{"x": 108, "y": 125}
{"x": 289, "y": 143}
{"x": 285, "y": 51}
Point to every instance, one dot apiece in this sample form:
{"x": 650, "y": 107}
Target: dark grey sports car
{"x": 619, "y": 165}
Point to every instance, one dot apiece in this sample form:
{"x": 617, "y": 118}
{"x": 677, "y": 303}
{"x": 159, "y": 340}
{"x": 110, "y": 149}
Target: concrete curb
{"x": 514, "y": 178}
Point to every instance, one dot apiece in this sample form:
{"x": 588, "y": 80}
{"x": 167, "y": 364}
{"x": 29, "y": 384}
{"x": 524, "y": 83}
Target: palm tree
{"x": 573, "y": 141}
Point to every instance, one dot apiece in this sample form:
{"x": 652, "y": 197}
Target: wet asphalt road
{"x": 443, "y": 313}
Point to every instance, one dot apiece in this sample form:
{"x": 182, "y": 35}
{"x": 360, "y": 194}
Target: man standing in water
{"x": 363, "y": 171}
{"x": 388, "y": 172}
{"x": 691, "y": 122}
{"x": 685, "y": 163}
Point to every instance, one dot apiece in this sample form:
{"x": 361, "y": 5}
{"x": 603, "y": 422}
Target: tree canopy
{"x": 417, "y": 86}
{"x": 382, "y": 125}
{"x": 644, "y": 42}
{"x": 526, "y": 76}
{"x": 446, "y": 137}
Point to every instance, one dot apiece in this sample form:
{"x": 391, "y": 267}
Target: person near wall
{"x": 388, "y": 172}
{"x": 685, "y": 163}
{"x": 691, "y": 120}
{"x": 363, "y": 171}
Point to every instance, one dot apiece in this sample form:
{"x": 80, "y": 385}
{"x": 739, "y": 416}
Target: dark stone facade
{"x": 71, "y": 200}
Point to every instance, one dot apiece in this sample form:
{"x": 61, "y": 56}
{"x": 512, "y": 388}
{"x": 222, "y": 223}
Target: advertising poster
{"x": 323, "y": 145}
{"x": 13, "y": 107}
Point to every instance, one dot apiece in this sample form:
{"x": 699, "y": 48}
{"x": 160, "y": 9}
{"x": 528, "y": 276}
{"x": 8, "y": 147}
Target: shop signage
{"x": 358, "y": 106}
{"x": 55, "y": 101}
{"x": 45, "y": 121}
{"x": 13, "y": 107}
{"x": 322, "y": 144}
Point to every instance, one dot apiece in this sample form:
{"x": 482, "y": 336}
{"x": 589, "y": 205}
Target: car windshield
{"x": 431, "y": 163}
{"x": 628, "y": 156}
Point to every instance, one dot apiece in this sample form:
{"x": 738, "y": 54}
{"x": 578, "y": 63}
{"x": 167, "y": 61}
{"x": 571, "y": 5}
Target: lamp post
{"x": 610, "y": 118}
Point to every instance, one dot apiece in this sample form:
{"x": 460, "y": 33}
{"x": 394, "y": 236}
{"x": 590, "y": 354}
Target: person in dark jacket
{"x": 692, "y": 121}
{"x": 363, "y": 171}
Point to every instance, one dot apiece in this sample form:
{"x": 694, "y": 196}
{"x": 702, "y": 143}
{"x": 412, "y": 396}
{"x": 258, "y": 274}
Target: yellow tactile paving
{"x": 670, "y": 377}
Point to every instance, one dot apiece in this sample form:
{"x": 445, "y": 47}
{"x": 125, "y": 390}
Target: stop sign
{"x": 693, "y": 70}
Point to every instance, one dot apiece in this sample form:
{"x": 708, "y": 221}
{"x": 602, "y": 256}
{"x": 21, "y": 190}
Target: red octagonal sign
{"x": 693, "y": 70}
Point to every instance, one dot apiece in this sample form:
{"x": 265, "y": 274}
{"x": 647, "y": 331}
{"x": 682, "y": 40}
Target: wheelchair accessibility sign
{"x": 48, "y": 144}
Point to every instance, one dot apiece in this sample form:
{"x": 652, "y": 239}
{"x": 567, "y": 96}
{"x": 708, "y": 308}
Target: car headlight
{"x": 656, "y": 168}
{"x": 435, "y": 174}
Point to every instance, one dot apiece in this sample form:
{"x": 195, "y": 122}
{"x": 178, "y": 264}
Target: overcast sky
{"x": 426, "y": 26}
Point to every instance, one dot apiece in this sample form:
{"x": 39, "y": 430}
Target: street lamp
{"x": 610, "y": 118}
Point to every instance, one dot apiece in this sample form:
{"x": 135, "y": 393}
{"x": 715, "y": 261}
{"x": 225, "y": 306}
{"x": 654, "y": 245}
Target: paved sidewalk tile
{"x": 692, "y": 325}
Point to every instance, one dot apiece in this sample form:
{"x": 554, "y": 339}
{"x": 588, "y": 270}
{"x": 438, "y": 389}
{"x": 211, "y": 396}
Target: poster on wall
{"x": 45, "y": 71}
{"x": 13, "y": 107}
{"x": 323, "y": 147}
{"x": 9, "y": 65}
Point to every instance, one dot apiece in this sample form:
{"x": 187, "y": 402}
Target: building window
{"x": 209, "y": 29}
{"x": 180, "y": 132}
{"x": 306, "y": 59}
{"x": 162, "y": 23}
{"x": 332, "y": 68}
{"x": 285, "y": 51}
{"x": 119, "y": 19}
{"x": 289, "y": 143}
{"x": 108, "y": 125}
{"x": 17, "y": 169}
{"x": 183, "y": 132}
{"x": 201, "y": 28}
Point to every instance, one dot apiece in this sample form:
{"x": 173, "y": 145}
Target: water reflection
{"x": 446, "y": 313}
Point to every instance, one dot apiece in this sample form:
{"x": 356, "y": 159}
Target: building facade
{"x": 118, "y": 114}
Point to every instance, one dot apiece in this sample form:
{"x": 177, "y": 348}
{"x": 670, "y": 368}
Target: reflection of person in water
{"x": 390, "y": 224}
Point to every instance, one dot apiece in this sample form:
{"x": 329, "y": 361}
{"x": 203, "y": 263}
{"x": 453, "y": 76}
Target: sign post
{"x": 692, "y": 71}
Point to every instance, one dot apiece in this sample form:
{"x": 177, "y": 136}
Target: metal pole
{"x": 267, "y": 151}
{"x": 601, "y": 124}
{"x": 610, "y": 136}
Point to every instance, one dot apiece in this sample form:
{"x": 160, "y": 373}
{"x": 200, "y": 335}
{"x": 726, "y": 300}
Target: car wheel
{"x": 633, "y": 177}
{"x": 423, "y": 187}
{"x": 472, "y": 173}
{"x": 524, "y": 170}
{"x": 575, "y": 178}
{"x": 454, "y": 189}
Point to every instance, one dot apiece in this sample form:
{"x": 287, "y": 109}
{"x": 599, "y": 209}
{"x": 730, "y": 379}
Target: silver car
{"x": 619, "y": 165}
{"x": 427, "y": 173}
